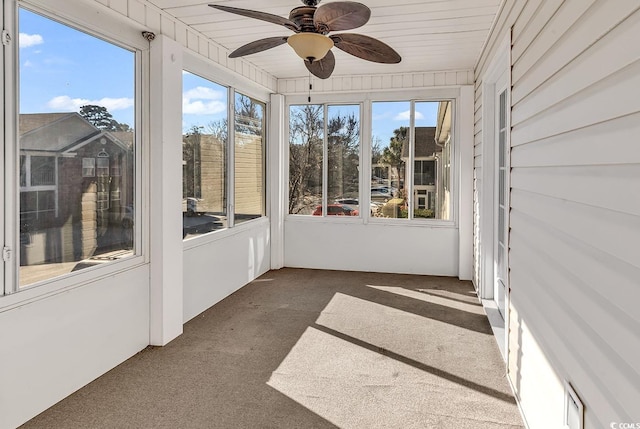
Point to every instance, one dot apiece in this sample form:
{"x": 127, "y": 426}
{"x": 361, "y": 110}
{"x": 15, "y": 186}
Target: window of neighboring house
{"x": 37, "y": 189}
{"x": 324, "y": 167}
{"x": 43, "y": 170}
{"x": 249, "y": 154}
{"x": 204, "y": 156}
{"x": 68, "y": 219}
{"x": 102, "y": 167}
{"x": 424, "y": 172}
{"x": 413, "y": 136}
{"x": 88, "y": 167}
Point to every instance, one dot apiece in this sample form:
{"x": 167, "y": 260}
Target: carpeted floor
{"x": 313, "y": 349}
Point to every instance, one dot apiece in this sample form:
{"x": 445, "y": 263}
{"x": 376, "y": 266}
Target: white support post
{"x": 276, "y": 168}
{"x": 165, "y": 186}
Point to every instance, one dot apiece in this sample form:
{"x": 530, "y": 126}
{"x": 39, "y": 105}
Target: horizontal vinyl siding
{"x": 575, "y": 199}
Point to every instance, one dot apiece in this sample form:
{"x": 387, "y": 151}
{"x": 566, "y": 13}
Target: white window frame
{"x": 366, "y": 100}
{"x": 81, "y": 17}
{"x": 232, "y": 94}
{"x": 223, "y": 77}
{"x": 325, "y": 163}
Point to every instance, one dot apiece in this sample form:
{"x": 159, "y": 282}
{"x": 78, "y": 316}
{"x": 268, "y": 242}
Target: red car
{"x": 336, "y": 210}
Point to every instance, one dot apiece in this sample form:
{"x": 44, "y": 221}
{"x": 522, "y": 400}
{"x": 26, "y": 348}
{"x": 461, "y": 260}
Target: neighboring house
{"x": 203, "y": 173}
{"x": 425, "y": 162}
{"x": 74, "y": 181}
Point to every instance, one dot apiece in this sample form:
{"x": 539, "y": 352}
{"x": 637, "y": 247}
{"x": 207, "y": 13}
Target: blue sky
{"x": 389, "y": 116}
{"x": 62, "y": 69}
{"x": 203, "y": 101}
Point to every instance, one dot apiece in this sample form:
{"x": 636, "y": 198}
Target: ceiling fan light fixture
{"x": 310, "y": 46}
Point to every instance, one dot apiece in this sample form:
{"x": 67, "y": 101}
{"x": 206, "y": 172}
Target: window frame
{"x": 366, "y": 99}
{"x": 215, "y": 73}
{"x": 234, "y": 93}
{"x": 326, "y": 105}
{"x": 81, "y": 18}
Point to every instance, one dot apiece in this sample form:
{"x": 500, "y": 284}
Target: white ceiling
{"x": 430, "y": 35}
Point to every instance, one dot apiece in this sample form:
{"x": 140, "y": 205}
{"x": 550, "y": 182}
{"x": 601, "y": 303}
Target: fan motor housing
{"x": 303, "y": 16}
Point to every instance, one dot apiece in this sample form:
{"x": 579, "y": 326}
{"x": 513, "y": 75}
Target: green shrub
{"x": 423, "y": 213}
{"x": 393, "y": 208}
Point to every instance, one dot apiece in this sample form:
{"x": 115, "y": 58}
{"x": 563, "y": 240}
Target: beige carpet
{"x": 313, "y": 349}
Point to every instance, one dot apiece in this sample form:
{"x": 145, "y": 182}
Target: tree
{"x": 191, "y": 173}
{"x": 392, "y": 154}
{"x": 219, "y": 129}
{"x": 343, "y": 141}
{"x": 248, "y": 116}
{"x": 100, "y": 117}
{"x": 306, "y": 126}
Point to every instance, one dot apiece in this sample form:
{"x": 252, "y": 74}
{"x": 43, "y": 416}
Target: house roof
{"x": 53, "y": 132}
{"x": 32, "y": 121}
{"x": 426, "y": 146}
{"x": 64, "y": 132}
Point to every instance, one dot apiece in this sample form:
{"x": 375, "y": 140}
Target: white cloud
{"x": 202, "y": 108}
{"x": 25, "y": 40}
{"x": 27, "y": 64}
{"x": 203, "y": 101}
{"x": 404, "y": 116}
{"x": 66, "y": 103}
{"x": 203, "y": 93}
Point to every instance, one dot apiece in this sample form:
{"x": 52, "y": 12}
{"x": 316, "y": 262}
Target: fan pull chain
{"x": 310, "y": 88}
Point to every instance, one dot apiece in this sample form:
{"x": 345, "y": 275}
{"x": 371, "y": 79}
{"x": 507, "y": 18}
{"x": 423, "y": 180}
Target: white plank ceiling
{"x": 430, "y": 35}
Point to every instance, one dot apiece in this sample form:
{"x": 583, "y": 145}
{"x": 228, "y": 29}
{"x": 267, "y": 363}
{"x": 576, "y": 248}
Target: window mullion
{"x": 410, "y": 164}
{"x": 231, "y": 158}
{"x": 325, "y": 161}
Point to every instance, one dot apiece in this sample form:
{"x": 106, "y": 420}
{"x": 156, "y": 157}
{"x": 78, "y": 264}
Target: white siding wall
{"x": 575, "y": 205}
{"x": 218, "y": 265}
{"x": 51, "y": 347}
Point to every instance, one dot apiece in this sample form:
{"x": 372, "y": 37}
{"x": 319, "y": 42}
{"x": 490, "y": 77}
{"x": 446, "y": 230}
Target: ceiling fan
{"x": 311, "y": 42}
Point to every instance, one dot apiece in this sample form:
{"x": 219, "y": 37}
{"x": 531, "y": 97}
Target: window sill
{"x": 211, "y": 237}
{"x": 346, "y": 220}
{"x": 47, "y": 288}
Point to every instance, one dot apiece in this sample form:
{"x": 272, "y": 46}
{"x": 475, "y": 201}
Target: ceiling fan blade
{"x": 258, "y": 46}
{"x": 269, "y": 17}
{"x": 366, "y": 47}
{"x": 322, "y": 68}
{"x": 341, "y": 15}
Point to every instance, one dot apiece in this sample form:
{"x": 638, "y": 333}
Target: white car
{"x": 383, "y": 192}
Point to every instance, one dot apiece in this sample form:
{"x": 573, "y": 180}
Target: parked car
{"x": 355, "y": 204}
{"x": 336, "y": 210}
{"x": 380, "y": 192}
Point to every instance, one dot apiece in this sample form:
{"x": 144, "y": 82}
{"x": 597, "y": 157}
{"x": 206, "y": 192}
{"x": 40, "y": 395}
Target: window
{"x": 68, "y": 217}
{"x": 324, "y": 165}
{"x": 249, "y": 159}
{"x": 102, "y": 167}
{"x": 43, "y": 170}
{"x": 418, "y": 135}
{"x": 88, "y": 167}
{"x": 204, "y": 156}
{"x": 424, "y": 172}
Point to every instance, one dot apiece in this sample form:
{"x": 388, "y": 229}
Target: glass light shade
{"x": 310, "y": 46}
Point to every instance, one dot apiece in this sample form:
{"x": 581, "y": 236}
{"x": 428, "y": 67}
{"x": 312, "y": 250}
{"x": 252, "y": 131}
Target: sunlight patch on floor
{"x": 353, "y": 387}
{"x": 432, "y": 297}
